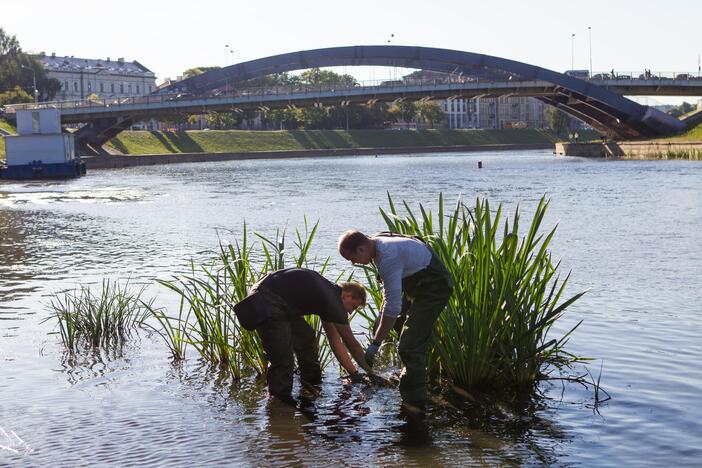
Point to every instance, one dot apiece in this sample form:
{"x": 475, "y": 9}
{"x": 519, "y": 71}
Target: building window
{"x": 65, "y": 85}
{"x": 112, "y": 88}
{"x": 129, "y": 88}
{"x": 75, "y": 86}
{"x": 121, "y": 88}
{"x": 150, "y": 89}
{"x": 137, "y": 89}
{"x": 90, "y": 86}
{"x": 102, "y": 87}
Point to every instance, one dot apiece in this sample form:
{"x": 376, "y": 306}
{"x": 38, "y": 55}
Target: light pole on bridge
{"x": 572, "y": 51}
{"x": 34, "y": 81}
{"x": 589, "y": 37}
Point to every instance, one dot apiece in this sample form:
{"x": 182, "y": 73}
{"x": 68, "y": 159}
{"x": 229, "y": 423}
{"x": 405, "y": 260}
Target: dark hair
{"x": 356, "y": 290}
{"x": 351, "y": 240}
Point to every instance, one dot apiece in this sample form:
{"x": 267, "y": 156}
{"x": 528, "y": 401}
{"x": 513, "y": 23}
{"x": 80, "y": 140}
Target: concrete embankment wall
{"x": 119, "y": 161}
{"x": 633, "y": 150}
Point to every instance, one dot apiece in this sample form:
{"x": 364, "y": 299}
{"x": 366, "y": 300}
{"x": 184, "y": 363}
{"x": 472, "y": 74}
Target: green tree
{"x": 286, "y": 118}
{"x": 222, "y": 120}
{"x": 190, "y": 72}
{"x": 431, "y": 112}
{"x": 402, "y": 111}
{"x": 558, "y": 121}
{"x": 316, "y": 117}
{"x": 270, "y": 81}
{"x": 18, "y": 68}
{"x": 682, "y": 109}
{"x": 315, "y": 76}
{"x": 15, "y": 96}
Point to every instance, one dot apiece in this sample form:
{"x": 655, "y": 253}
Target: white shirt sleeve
{"x": 391, "y": 274}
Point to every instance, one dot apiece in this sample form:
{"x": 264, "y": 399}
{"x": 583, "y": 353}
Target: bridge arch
{"x": 594, "y": 104}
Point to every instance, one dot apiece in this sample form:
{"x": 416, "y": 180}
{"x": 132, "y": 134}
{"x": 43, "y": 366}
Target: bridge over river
{"x": 598, "y": 102}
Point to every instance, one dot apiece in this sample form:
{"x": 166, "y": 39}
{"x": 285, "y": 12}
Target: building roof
{"x": 67, "y": 63}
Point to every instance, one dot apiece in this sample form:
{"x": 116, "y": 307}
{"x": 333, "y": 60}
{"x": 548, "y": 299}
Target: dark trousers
{"x": 426, "y": 294}
{"x": 283, "y": 334}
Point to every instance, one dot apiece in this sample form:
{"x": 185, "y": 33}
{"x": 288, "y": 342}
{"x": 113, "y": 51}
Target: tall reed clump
{"x": 507, "y": 295}
{"x": 206, "y": 320}
{"x": 107, "y": 318}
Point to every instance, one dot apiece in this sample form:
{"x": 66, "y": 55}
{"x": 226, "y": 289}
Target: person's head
{"x": 356, "y": 247}
{"x": 353, "y": 295}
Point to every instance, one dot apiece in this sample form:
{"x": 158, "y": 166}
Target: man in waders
{"x": 275, "y": 309}
{"x": 408, "y": 267}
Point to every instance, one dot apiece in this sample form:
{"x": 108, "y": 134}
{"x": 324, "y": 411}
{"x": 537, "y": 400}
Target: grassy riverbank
{"x": 141, "y": 142}
{"x": 693, "y": 134}
{"x": 4, "y": 125}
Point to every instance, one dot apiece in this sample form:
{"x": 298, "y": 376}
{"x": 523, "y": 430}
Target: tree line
{"x": 17, "y": 72}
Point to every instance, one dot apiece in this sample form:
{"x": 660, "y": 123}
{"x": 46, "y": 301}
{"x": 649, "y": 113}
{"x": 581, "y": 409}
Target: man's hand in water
{"x": 355, "y": 378}
{"x": 378, "y": 381}
{"x": 370, "y": 353}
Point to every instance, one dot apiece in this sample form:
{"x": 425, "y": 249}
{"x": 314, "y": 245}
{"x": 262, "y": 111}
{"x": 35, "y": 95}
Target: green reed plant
{"x": 97, "y": 320}
{"x": 507, "y": 294}
{"x": 207, "y": 295}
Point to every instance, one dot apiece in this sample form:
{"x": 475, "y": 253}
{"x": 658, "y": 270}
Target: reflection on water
{"x": 628, "y": 231}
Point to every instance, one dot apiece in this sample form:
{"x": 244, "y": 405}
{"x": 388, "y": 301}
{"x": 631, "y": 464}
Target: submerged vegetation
{"x": 494, "y": 333}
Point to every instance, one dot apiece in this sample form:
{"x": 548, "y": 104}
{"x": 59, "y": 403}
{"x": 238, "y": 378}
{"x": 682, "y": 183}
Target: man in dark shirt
{"x": 275, "y": 309}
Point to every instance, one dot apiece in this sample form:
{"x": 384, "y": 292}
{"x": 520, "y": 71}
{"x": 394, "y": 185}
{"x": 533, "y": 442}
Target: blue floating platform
{"x": 38, "y": 170}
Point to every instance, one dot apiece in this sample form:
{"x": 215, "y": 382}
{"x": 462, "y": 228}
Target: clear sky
{"x": 170, "y": 37}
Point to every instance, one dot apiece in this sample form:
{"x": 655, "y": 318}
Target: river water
{"x": 628, "y": 230}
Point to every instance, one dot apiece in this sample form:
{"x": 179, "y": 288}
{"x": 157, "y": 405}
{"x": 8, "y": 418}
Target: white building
{"x": 80, "y": 77}
{"x": 488, "y": 113}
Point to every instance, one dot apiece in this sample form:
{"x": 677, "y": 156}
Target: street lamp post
{"x": 34, "y": 81}
{"x": 394, "y": 71}
{"x": 572, "y": 51}
{"x": 589, "y": 37}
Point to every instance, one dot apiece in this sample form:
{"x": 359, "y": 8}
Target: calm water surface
{"x": 629, "y": 231}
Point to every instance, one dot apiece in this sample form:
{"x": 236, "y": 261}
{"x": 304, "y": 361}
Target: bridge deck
{"x": 256, "y": 98}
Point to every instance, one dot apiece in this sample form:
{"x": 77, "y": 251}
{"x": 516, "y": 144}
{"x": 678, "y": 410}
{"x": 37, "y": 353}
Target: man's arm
{"x": 350, "y": 342}
{"x": 338, "y": 348}
{"x": 386, "y": 324}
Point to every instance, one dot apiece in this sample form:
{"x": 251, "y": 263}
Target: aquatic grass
{"x": 207, "y": 295}
{"x": 507, "y": 295}
{"x": 173, "y": 330}
{"x": 98, "y": 320}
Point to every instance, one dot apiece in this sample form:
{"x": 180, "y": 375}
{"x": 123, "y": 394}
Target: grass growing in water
{"x": 206, "y": 320}
{"x": 107, "y": 318}
{"x": 493, "y": 334}
{"x": 507, "y": 295}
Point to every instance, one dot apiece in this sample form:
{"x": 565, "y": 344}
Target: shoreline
{"x": 124, "y": 161}
{"x": 649, "y": 150}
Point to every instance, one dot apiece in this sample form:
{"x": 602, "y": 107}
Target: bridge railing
{"x": 231, "y": 92}
{"x": 644, "y": 75}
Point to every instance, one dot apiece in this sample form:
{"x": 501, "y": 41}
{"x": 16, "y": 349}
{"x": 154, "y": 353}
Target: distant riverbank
{"x": 135, "y": 148}
{"x": 120, "y": 161}
{"x": 147, "y": 148}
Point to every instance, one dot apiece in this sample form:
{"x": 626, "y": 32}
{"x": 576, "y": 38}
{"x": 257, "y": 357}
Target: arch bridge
{"x": 588, "y": 101}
